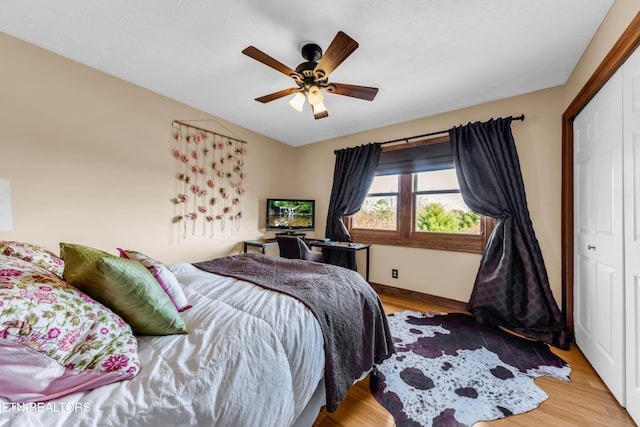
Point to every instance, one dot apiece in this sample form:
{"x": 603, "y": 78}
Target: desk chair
{"x": 295, "y": 248}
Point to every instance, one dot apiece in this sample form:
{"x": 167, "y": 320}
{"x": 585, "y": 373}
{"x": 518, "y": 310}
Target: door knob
{"x": 590, "y": 247}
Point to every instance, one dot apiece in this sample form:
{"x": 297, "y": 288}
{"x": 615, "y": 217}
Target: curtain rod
{"x": 520, "y": 117}
{"x": 206, "y": 130}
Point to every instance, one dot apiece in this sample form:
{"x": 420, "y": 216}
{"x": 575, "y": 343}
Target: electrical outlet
{"x": 394, "y": 273}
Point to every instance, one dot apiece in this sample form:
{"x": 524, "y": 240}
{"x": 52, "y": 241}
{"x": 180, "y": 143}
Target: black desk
{"x": 267, "y": 243}
{"x": 263, "y": 244}
{"x": 344, "y": 246}
{"x": 260, "y": 243}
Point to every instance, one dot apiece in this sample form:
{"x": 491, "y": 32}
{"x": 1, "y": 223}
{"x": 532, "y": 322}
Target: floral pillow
{"x": 163, "y": 275}
{"x": 36, "y": 254}
{"x": 54, "y": 339}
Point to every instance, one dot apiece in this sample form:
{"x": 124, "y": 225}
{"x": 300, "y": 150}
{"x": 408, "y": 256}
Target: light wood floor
{"x": 585, "y": 401}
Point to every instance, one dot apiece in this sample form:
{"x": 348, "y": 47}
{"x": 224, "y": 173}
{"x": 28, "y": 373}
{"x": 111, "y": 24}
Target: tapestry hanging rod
{"x": 205, "y": 130}
{"x": 520, "y": 117}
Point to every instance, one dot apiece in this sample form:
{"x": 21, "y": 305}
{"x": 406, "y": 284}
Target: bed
{"x": 249, "y": 356}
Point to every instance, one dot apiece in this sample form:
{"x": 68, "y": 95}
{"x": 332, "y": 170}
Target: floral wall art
{"x": 209, "y": 181}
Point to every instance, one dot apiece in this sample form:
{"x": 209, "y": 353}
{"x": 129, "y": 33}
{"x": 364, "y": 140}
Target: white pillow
{"x": 163, "y": 275}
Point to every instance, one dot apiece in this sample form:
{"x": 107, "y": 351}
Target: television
{"x": 290, "y": 214}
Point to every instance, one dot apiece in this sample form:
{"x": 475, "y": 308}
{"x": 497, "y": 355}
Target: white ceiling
{"x": 425, "y": 56}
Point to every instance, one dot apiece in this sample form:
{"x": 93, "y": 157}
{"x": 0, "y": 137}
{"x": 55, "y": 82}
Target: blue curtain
{"x": 512, "y": 286}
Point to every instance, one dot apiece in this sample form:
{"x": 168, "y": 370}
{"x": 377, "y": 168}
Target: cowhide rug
{"x": 451, "y": 371}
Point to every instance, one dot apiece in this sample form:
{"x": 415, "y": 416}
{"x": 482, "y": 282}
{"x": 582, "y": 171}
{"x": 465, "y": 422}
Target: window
{"x": 380, "y": 208}
{"x": 439, "y": 204}
{"x": 415, "y": 201}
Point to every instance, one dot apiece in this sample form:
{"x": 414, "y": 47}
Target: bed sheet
{"x": 253, "y": 357}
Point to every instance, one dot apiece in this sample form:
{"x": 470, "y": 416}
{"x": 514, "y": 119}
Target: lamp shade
{"x": 319, "y": 110}
{"x": 315, "y": 95}
{"x": 6, "y": 215}
{"x": 297, "y": 102}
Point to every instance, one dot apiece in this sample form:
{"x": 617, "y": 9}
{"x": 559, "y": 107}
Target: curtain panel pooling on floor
{"x": 512, "y": 287}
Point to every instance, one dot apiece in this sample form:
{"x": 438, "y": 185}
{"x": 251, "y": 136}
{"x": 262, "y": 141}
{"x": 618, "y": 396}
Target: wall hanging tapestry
{"x": 450, "y": 370}
{"x": 209, "y": 181}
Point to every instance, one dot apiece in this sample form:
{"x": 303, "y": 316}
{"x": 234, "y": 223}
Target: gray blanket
{"x": 350, "y": 314}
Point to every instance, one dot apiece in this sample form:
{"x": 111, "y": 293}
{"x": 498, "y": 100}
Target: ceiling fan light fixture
{"x": 319, "y": 110}
{"x": 297, "y": 102}
{"x": 315, "y": 95}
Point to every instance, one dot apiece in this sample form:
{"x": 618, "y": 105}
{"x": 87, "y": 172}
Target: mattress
{"x": 253, "y": 357}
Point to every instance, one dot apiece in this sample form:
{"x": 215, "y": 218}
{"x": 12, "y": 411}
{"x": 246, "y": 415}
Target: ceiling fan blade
{"x": 340, "y": 48}
{"x": 277, "y": 95}
{"x": 267, "y": 60}
{"x": 362, "y": 92}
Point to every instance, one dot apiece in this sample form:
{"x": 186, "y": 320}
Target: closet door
{"x": 598, "y": 257}
{"x": 631, "y": 148}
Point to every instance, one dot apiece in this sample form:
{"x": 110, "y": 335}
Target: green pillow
{"x": 123, "y": 285}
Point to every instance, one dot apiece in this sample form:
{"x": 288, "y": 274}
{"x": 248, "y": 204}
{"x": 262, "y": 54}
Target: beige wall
{"x": 616, "y": 22}
{"x": 451, "y": 274}
{"x": 89, "y": 159}
{"x": 538, "y": 140}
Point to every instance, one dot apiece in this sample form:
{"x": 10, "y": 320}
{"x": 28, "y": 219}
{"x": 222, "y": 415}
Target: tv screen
{"x": 290, "y": 214}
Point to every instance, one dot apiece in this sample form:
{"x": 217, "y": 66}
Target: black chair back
{"x": 293, "y": 247}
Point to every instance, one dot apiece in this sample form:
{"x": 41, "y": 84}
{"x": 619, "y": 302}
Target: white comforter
{"x": 253, "y": 357}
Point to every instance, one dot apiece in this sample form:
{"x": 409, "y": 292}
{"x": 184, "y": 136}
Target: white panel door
{"x": 598, "y": 258}
{"x": 631, "y": 149}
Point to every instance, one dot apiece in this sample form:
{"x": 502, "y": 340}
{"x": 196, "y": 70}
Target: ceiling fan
{"x": 312, "y": 76}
